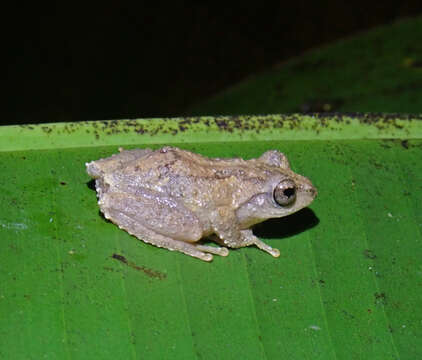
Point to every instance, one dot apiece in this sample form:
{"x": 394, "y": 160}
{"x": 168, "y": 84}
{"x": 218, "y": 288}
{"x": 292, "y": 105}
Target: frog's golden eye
{"x": 285, "y": 192}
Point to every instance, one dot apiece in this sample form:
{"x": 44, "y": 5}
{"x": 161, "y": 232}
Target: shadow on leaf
{"x": 91, "y": 184}
{"x": 287, "y": 226}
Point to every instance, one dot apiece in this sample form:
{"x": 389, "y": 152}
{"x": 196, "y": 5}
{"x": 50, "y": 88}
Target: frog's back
{"x": 116, "y": 162}
{"x": 185, "y": 163}
{"x": 182, "y": 173}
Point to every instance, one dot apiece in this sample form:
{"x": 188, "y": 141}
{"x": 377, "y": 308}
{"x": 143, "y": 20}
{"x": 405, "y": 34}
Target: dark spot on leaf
{"x": 119, "y": 257}
{"x": 380, "y": 299}
{"x": 108, "y": 268}
{"x": 63, "y": 183}
{"x": 385, "y": 143}
{"x": 150, "y": 272}
{"x": 405, "y": 144}
{"x": 347, "y": 314}
{"x": 46, "y": 129}
{"x": 369, "y": 254}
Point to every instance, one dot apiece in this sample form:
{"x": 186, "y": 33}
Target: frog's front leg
{"x": 253, "y": 240}
{"x": 158, "y": 220}
{"x": 227, "y": 229}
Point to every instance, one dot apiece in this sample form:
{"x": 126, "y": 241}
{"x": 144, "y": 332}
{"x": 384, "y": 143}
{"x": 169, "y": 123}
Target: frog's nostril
{"x": 312, "y": 191}
{"x": 307, "y": 187}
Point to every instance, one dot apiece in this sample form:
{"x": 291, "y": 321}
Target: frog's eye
{"x": 285, "y": 192}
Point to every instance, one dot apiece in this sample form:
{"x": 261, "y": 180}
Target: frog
{"x": 174, "y": 198}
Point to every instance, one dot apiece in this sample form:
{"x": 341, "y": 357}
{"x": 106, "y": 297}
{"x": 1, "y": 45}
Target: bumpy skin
{"x": 172, "y": 198}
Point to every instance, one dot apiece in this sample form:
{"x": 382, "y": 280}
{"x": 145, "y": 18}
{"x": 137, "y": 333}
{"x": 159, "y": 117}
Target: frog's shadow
{"x": 91, "y": 184}
{"x": 287, "y": 226}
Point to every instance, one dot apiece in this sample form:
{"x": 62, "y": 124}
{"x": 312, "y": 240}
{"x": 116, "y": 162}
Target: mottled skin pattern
{"x": 172, "y": 198}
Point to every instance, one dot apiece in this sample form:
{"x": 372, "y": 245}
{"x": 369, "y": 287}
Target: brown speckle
{"x": 150, "y": 272}
{"x": 46, "y": 129}
{"x": 231, "y": 124}
{"x": 380, "y": 298}
{"x": 369, "y": 254}
{"x": 119, "y": 257}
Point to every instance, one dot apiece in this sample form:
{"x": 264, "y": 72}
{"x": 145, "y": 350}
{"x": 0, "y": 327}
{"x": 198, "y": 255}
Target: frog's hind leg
{"x": 136, "y": 229}
{"x": 159, "y": 220}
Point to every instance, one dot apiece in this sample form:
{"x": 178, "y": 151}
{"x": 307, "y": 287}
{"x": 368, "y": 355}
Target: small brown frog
{"x": 172, "y": 198}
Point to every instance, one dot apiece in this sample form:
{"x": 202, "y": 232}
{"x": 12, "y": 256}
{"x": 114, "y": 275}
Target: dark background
{"x": 70, "y": 63}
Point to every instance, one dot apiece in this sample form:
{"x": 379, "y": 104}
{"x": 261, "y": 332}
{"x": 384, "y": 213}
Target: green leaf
{"x": 348, "y": 283}
{"x": 379, "y": 70}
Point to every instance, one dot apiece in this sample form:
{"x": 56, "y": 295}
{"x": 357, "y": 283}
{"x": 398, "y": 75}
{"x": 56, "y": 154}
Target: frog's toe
{"x": 206, "y": 257}
{"x": 267, "y": 248}
{"x": 275, "y": 252}
{"x": 222, "y": 251}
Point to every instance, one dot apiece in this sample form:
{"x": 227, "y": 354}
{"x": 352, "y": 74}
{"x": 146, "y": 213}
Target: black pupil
{"x": 289, "y": 192}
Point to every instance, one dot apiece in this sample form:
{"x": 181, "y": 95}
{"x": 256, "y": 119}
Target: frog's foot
{"x": 263, "y": 246}
{"x": 251, "y": 239}
{"x": 222, "y": 251}
{"x": 133, "y": 227}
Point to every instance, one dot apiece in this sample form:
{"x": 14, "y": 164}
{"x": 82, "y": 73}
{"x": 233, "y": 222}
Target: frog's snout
{"x": 311, "y": 190}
